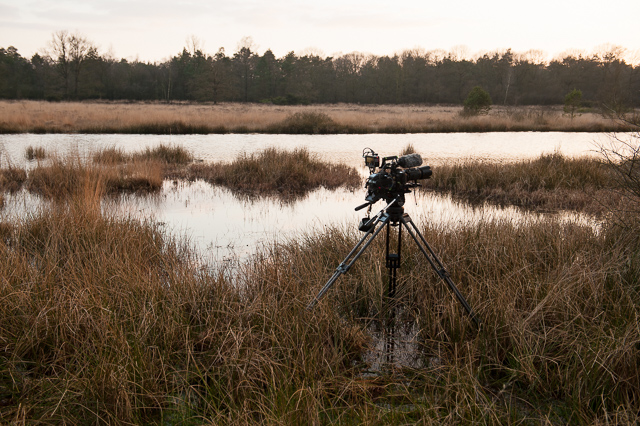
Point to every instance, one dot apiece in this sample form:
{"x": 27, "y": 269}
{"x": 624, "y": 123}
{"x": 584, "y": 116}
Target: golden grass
{"x": 275, "y": 171}
{"x": 103, "y": 117}
{"x": 106, "y": 319}
{"x": 65, "y": 179}
{"x": 11, "y": 179}
{"x": 549, "y": 182}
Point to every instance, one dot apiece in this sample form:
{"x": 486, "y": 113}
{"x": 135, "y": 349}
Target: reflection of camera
{"x": 394, "y": 178}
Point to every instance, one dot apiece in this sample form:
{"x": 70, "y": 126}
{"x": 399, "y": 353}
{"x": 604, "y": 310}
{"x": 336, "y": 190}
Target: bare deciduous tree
{"x": 70, "y": 53}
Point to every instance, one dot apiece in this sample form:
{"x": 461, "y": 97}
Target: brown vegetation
{"x": 275, "y": 171}
{"x": 108, "y": 320}
{"x": 549, "y": 182}
{"x": 11, "y": 179}
{"x": 37, "y": 153}
{"x": 160, "y": 118}
{"x": 69, "y": 178}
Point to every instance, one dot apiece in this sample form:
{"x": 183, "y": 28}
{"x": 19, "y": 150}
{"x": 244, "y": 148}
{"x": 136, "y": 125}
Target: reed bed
{"x": 276, "y": 171}
{"x": 549, "y": 182}
{"x": 12, "y": 179}
{"x": 183, "y": 118}
{"x": 108, "y": 320}
{"x": 64, "y": 179}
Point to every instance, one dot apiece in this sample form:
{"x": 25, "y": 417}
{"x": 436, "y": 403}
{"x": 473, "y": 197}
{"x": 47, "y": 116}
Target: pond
{"x": 225, "y": 227}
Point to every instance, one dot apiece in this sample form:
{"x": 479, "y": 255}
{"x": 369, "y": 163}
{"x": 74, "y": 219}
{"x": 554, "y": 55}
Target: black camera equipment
{"x": 395, "y": 178}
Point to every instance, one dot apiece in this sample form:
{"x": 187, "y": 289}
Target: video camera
{"x": 394, "y": 178}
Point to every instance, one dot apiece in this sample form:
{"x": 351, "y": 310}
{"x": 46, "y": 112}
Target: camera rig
{"x": 395, "y": 176}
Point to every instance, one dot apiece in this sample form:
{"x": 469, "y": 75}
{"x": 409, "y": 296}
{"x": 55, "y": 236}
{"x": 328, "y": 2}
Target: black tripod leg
{"x": 353, "y": 255}
{"x": 436, "y": 264}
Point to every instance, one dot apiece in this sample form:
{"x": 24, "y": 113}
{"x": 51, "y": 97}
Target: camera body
{"x": 395, "y": 176}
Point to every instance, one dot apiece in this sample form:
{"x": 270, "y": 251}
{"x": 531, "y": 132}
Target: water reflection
{"x": 435, "y": 148}
{"x": 222, "y": 226}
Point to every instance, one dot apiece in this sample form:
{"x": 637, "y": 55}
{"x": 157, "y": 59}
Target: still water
{"x": 225, "y": 227}
{"x": 435, "y": 148}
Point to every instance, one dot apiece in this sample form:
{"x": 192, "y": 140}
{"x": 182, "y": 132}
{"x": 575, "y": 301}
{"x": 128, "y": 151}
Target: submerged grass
{"x": 549, "y": 182}
{"x": 108, "y": 320}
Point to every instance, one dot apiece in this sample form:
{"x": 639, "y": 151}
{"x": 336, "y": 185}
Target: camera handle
{"x": 381, "y": 220}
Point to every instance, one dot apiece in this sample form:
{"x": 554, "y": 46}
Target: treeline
{"x": 73, "y": 69}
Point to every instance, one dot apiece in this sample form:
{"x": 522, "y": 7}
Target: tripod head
{"x": 395, "y": 176}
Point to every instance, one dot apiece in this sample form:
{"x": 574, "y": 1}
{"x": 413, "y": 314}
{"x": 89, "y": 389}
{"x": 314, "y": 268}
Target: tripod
{"x": 393, "y": 215}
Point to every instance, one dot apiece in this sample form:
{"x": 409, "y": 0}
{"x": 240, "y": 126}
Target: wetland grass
{"x": 11, "y": 179}
{"x": 63, "y": 179}
{"x": 186, "y": 118}
{"x": 549, "y": 182}
{"x": 108, "y": 320}
{"x": 35, "y": 153}
{"x": 277, "y": 171}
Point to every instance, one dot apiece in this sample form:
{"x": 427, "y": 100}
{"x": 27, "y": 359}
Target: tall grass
{"x": 107, "y": 320}
{"x": 277, "y": 171}
{"x": 551, "y": 181}
{"x": 181, "y": 118}
{"x": 12, "y": 179}
{"x": 66, "y": 178}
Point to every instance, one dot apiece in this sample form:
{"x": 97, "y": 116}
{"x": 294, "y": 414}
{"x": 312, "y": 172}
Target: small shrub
{"x": 572, "y": 102}
{"x": 478, "y": 102}
{"x": 306, "y": 123}
{"x": 409, "y": 149}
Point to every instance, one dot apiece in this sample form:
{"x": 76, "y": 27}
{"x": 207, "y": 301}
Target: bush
{"x": 306, "y": 123}
{"x": 478, "y": 102}
{"x": 572, "y": 102}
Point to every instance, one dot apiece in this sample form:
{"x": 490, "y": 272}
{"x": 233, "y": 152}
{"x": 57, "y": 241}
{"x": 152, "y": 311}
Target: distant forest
{"x": 73, "y": 69}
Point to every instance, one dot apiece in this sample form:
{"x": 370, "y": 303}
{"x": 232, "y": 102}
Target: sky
{"x": 155, "y": 30}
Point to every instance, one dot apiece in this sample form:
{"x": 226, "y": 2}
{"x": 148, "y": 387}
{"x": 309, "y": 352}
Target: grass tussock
{"x": 108, "y": 320}
{"x": 173, "y": 155}
{"x": 64, "y": 179}
{"x": 184, "y": 118}
{"x": 276, "y": 171}
{"x": 35, "y": 153}
{"x": 549, "y": 182}
{"x": 12, "y": 179}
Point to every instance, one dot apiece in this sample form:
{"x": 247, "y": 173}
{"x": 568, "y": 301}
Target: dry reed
{"x": 108, "y": 320}
{"x": 11, "y": 179}
{"x": 276, "y": 171}
{"x": 177, "y": 118}
{"x": 549, "y": 182}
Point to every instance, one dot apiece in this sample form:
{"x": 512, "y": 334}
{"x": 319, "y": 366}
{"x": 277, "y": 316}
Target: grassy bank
{"x": 549, "y": 182}
{"x": 155, "y": 118}
{"x": 276, "y": 172}
{"x": 271, "y": 172}
{"x": 107, "y": 320}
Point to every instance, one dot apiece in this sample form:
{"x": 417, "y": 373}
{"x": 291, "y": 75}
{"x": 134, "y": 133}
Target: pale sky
{"x": 154, "y": 30}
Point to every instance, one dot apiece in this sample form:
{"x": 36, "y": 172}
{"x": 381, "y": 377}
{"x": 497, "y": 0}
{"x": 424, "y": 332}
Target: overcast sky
{"x": 153, "y": 30}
